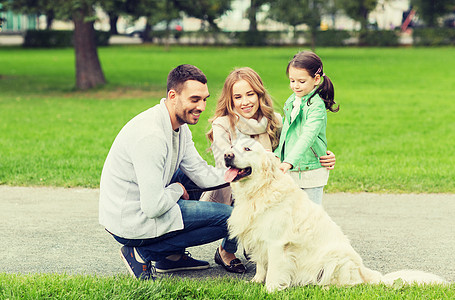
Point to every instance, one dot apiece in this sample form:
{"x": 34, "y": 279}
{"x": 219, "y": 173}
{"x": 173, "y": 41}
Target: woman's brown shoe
{"x": 235, "y": 265}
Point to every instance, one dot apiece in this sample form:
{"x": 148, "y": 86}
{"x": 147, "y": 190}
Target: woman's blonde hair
{"x": 225, "y": 104}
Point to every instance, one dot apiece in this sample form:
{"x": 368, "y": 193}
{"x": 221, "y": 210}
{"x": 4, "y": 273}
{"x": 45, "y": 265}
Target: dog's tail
{"x": 412, "y": 277}
{"x": 370, "y": 276}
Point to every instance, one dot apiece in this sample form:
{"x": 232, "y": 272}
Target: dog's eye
{"x": 247, "y": 149}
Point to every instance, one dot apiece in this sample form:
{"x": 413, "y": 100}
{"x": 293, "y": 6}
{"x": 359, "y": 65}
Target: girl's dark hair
{"x": 313, "y": 65}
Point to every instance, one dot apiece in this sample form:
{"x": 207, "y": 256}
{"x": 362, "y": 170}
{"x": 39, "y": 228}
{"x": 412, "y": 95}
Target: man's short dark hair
{"x": 182, "y": 73}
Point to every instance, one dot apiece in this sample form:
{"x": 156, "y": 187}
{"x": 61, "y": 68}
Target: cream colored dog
{"x": 292, "y": 240}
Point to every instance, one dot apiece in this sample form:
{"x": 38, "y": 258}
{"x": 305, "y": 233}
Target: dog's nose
{"x": 228, "y": 157}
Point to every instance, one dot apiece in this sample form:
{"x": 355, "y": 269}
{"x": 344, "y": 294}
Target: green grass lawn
{"x": 395, "y": 131}
{"x": 47, "y": 286}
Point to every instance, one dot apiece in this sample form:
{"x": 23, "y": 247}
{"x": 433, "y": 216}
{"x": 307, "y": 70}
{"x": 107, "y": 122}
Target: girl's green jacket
{"x": 303, "y": 141}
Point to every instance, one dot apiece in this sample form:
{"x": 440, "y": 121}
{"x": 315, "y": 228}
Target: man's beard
{"x": 182, "y": 120}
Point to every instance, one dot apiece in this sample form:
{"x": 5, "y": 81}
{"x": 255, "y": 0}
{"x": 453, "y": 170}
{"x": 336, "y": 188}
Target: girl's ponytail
{"x": 327, "y": 93}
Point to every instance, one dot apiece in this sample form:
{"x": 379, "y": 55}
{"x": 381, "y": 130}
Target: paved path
{"x": 56, "y": 230}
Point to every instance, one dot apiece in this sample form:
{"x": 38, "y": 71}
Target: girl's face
{"x": 301, "y": 82}
{"x": 246, "y": 101}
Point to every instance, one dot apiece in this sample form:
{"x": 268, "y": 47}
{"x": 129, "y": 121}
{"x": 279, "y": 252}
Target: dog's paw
{"x": 273, "y": 287}
{"x": 258, "y": 279}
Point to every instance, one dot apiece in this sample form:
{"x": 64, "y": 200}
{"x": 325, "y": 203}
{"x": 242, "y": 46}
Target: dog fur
{"x": 292, "y": 240}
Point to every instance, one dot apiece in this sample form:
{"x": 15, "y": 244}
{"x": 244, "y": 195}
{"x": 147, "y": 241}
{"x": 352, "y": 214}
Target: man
{"x": 143, "y": 199}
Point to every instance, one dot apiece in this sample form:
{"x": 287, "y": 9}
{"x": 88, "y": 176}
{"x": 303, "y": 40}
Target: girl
{"x": 303, "y": 139}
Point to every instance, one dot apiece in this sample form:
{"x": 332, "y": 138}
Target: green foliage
{"x": 58, "y": 38}
{"x": 358, "y": 10}
{"x": 392, "y": 133}
{"x": 48, "y": 38}
{"x": 297, "y": 12}
{"x": 431, "y": 10}
{"x": 53, "y": 286}
{"x": 102, "y": 37}
{"x": 433, "y": 36}
{"x": 251, "y": 38}
{"x": 380, "y": 38}
{"x": 332, "y": 38}
{"x": 207, "y": 10}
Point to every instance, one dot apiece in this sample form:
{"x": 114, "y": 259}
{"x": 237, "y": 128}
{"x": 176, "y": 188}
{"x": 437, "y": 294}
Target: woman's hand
{"x": 328, "y": 160}
{"x": 284, "y": 166}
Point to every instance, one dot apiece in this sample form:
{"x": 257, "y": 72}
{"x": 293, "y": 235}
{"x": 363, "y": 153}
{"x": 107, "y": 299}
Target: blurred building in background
{"x": 11, "y": 22}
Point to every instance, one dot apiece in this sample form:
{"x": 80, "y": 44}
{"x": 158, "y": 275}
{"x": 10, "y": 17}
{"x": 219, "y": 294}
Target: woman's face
{"x": 246, "y": 101}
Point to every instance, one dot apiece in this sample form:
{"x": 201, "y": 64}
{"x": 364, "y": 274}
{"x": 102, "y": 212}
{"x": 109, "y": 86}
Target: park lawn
{"x": 53, "y": 286}
{"x": 394, "y": 132}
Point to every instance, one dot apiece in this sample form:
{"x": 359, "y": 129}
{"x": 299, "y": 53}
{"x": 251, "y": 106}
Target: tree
{"x": 154, "y": 12}
{"x": 114, "y": 9}
{"x": 254, "y": 8}
{"x": 207, "y": 10}
{"x": 308, "y": 12}
{"x": 431, "y": 10}
{"x": 88, "y": 68}
{"x": 359, "y": 10}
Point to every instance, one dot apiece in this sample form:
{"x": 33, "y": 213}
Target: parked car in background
{"x": 174, "y": 25}
{"x": 449, "y": 22}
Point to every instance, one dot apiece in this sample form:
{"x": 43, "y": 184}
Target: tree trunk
{"x": 167, "y": 36}
{"x": 363, "y": 26}
{"x": 147, "y": 34}
{"x": 252, "y": 16}
{"x": 113, "y": 18}
{"x": 50, "y": 15}
{"x": 88, "y": 68}
{"x": 313, "y": 32}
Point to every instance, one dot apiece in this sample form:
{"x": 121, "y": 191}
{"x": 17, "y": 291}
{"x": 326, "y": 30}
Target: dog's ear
{"x": 269, "y": 161}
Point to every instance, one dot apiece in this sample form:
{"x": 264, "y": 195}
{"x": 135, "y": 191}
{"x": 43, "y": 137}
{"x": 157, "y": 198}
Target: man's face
{"x": 191, "y": 101}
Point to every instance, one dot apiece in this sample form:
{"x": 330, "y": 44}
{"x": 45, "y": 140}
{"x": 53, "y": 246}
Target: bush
{"x": 58, "y": 38}
{"x": 48, "y": 38}
{"x": 332, "y": 38}
{"x": 379, "y": 38}
{"x": 102, "y": 38}
{"x": 433, "y": 36}
{"x": 251, "y": 38}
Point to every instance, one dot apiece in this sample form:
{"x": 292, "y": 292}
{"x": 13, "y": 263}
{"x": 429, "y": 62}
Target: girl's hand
{"x": 328, "y": 160}
{"x": 284, "y": 166}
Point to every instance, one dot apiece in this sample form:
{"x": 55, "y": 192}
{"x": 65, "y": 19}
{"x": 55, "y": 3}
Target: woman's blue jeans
{"x": 204, "y": 222}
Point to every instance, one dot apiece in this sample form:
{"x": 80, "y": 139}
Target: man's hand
{"x": 185, "y": 195}
{"x": 328, "y": 160}
{"x": 284, "y": 166}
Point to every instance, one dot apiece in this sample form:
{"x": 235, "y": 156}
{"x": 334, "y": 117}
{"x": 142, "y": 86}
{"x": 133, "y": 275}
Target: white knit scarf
{"x": 254, "y": 129}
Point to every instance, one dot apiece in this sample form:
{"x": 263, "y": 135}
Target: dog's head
{"x": 247, "y": 159}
